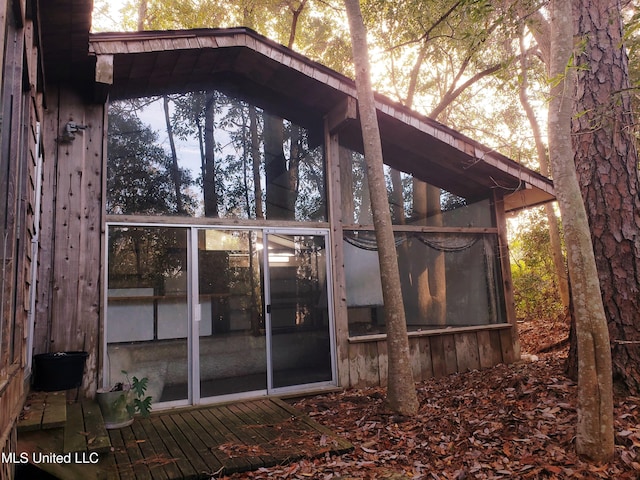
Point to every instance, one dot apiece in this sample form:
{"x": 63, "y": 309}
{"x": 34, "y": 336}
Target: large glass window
{"x": 447, "y": 279}
{"x": 411, "y": 201}
{"x": 447, "y": 253}
{"x": 205, "y": 154}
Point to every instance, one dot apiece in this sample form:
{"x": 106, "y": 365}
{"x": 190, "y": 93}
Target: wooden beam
{"x": 346, "y": 111}
{"x": 103, "y": 77}
{"x": 104, "y": 69}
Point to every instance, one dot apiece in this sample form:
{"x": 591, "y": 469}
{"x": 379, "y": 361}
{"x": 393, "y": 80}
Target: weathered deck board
{"x": 201, "y": 441}
{"x": 173, "y": 450}
{"x": 239, "y": 437}
{"x": 166, "y": 464}
{"x": 31, "y": 418}
{"x": 84, "y": 430}
{"x": 98, "y": 438}
{"x": 201, "y": 462}
{"x": 124, "y": 466}
{"x": 148, "y": 452}
{"x": 75, "y": 435}
{"x": 198, "y": 442}
{"x": 55, "y": 413}
{"x": 46, "y": 410}
{"x": 132, "y": 447}
{"x": 211, "y": 436}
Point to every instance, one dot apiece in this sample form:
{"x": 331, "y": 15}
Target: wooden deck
{"x": 187, "y": 443}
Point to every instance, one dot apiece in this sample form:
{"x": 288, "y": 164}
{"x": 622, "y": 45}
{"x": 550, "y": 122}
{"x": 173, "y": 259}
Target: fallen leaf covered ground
{"x": 511, "y": 421}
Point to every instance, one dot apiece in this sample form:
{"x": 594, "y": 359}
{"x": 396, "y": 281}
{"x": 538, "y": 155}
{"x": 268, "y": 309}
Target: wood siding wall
{"x": 434, "y": 355}
{"x": 68, "y": 317}
{"x": 21, "y": 110}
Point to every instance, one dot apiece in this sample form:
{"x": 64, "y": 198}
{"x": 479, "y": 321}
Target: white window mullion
{"x": 194, "y": 319}
{"x": 267, "y": 310}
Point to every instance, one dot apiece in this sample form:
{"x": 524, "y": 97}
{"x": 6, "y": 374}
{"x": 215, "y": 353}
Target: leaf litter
{"x": 507, "y": 422}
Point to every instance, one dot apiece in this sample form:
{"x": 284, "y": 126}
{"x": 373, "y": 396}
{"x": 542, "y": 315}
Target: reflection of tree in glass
{"x": 248, "y": 164}
{"x": 146, "y": 257}
{"x": 195, "y": 118}
{"x": 138, "y": 169}
{"x": 292, "y": 175}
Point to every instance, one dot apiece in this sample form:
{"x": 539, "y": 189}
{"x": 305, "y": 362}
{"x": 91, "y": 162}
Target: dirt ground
{"x": 516, "y": 422}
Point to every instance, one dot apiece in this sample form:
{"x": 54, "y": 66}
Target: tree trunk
{"x": 430, "y": 277}
{"x": 256, "y": 160}
{"x": 142, "y": 14}
{"x": 175, "y": 168}
{"x": 275, "y": 166}
{"x": 208, "y": 168}
{"x": 401, "y": 392}
{"x": 347, "y": 186}
{"x": 607, "y": 164}
{"x": 594, "y": 436}
{"x": 295, "y": 156}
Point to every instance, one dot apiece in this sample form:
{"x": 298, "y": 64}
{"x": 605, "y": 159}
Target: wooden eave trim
{"x": 467, "y": 146}
{"x": 104, "y": 69}
{"x": 344, "y": 112}
{"x": 173, "y": 40}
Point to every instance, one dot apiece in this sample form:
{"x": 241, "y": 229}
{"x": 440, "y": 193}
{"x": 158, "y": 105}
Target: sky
{"x": 111, "y": 19}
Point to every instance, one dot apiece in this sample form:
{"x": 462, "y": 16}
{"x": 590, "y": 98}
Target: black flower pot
{"x": 58, "y": 371}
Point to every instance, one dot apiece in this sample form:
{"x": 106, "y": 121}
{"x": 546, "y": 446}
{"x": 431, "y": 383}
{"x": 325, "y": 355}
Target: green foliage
{"x": 532, "y": 270}
{"x": 141, "y": 402}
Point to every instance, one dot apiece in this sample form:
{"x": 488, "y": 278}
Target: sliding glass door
{"x": 298, "y": 320}
{"x": 208, "y": 313}
{"x": 232, "y": 356}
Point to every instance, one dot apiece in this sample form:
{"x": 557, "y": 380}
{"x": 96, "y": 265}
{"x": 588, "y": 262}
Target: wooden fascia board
{"x": 103, "y": 78}
{"x": 130, "y": 43}
{"x": 526, "y": 198}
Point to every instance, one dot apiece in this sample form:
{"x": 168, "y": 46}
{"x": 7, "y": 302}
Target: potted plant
{"x": 121, "y": 402}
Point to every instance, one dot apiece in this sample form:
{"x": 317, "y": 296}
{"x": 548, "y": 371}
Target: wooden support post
{"x": 510, "y": 346}
{"x": 337, "y": 259}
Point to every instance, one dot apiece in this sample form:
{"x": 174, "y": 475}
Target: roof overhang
{"x": 241, "y": 62}
{"x": 64, "y": 27}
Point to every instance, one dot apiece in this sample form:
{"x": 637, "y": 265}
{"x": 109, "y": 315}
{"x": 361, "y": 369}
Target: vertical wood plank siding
{"x": 432, "y": 356}
{"x": 75, "y": 252}
{"x": 20, "y": 112}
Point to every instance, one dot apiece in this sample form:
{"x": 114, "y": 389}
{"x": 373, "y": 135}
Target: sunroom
{"x": 239, "y": 257}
